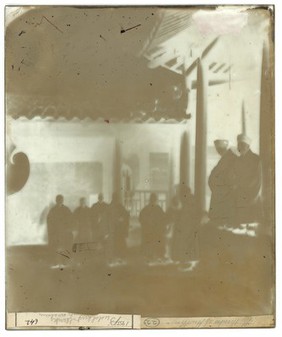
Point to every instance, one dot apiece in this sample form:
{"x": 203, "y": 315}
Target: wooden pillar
{"x": 117, "y": 186}
{"x": 188, "y": 84}
{"x": 267, "y": 135}
{"x": 185, "y": 146}
{"x": 184, "y": 160}
{"x": 201, "y": 137}
{"x": 171, "y": 187}
{"x": 244, "y": 125}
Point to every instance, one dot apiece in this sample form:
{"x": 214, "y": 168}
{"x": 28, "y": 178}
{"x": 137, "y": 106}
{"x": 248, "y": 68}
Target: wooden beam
{"x": 218, "y": 68}
{"x": 205, "y": 53}
{"x": 172, "y": 62}
{"x": 211, "y": 83}
{"x": 227, "y": 69}
{"x": 212, "y": 65}
{"x": 209, "y": 47}
{"x": 161, "y": 60}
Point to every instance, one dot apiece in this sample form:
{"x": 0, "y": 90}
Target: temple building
{"x": 127, "y": 99}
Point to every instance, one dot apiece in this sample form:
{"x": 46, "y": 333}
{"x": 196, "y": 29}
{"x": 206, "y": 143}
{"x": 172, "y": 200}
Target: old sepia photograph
{"x": 139, "y": 167}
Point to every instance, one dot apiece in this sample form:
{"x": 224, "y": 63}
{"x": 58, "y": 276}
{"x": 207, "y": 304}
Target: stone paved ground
{"x": 233, "y": 277}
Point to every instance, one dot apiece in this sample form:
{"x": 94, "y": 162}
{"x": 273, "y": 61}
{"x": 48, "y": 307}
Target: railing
{"x": 135, "y": 202}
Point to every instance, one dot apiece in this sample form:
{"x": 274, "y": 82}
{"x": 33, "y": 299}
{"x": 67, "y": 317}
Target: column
{"x": 117, "y": 186}
{"x": 267, "y": 135}
{"x": 184, "y": 160}
{"x": 201, "y": 137}
{"x": 244, "y": 125}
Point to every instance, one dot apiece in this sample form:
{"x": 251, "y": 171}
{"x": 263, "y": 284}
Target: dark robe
{"x": 185, "y": 239}
{"x": 99, "y": 214}
{"x": 248, "y": 174}
{"x": 81, "y": 218}
{"x": 173, "y": 214}
{"x": 153, "y": 227}
{"x": 118, "y": 230}
{"x": 60, "y": 223}
{"x": 221, "y": 182}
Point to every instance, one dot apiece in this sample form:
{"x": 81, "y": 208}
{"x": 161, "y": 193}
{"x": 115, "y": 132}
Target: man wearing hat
{"x": 248, "y": 184}
{"x": 221, "y": 183}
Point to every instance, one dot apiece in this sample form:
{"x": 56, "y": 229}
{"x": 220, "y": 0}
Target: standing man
{"x": 185, "y": 251}
{"x": 100, "y": 219}
{"x": 153, "y": 226}
{"x": 118, "y": 232}
{"x": 81, "y": 217}
{"x": 221, "y": 182}
{"x": 59, "y": 224}
{"x": 248, "y": 173}
{"x": 172, "y": 219}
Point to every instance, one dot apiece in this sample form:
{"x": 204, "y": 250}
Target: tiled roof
{"x": 25, "y": 107}
{"x": 124, "y": 91}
